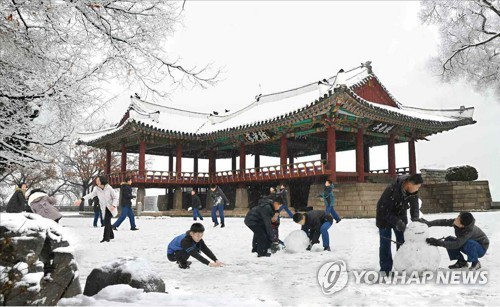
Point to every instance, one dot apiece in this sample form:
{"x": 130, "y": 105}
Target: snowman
{"x": 415, "y": 254}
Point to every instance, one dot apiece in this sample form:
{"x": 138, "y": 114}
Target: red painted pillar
{"x": 108, "y": 161}
{"x": 331, "y": 148}
{"x": 178, "y": 160}
{"x": 283, "y": 152}
{"x": 243, "y": 162}
{"x": 360, "y": 163}
{"x": 123, "y": 168}
{"x": 412, "y": 157}
{"x": 170, "y": 164}
{"x": 211, "y": 163}
{"x": 233, "y": 161}
{"x": 290, "y": 161}
{"x": 142, "y": 159}
{"x": 257, "y": 160}
{"x": 195, "y": 164}
{"x": 391, "y": 151}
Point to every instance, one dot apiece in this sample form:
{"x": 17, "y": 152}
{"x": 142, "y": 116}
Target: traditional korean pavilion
{"x": 351, "y": 111}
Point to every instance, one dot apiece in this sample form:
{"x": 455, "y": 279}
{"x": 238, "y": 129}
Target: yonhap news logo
{"x": 333, "y": 277}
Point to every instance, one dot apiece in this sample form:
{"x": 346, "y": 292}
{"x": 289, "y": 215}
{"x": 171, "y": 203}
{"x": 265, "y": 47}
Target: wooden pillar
{"x": 331, "y": 148}
{"x": 360, "y": 164}
{"x": 123, "y": 168}
{"x": 290, "y": 160}
{"x": 412, "y": 157}
{"x": 195, "y": 164}
{"x": 211, "y": 163}
{"x": 170, "y": 163}
{"x": 257, "y": 160}
{"x": 108, "y": 161}
{"x": 178, "y": 160}
{"x": 391, "y": 151}
{"x": 366, "y": 157}
{"x": 142, "y": 159}
{"x": 242, "y": 158}
{"x": 233, "y": 161}
{"x": 283, "y": 153}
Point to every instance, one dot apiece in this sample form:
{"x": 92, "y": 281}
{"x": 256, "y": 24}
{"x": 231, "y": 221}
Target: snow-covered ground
{"x": 283, "y": 279}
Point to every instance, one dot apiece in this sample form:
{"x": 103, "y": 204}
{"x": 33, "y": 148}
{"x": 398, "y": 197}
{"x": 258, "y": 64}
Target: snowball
{"x": 415, "y": 254}
{"x": 296, "y": 242}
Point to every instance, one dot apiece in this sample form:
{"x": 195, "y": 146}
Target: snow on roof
{"x": 265, "y": 107}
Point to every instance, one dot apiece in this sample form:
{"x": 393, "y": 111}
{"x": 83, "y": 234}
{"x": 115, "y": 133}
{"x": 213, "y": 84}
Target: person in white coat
{"x": 108, "y": 200}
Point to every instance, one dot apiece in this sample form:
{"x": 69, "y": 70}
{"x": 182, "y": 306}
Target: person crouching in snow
{"x": 43, "y": 204}
{"x": 315, "y": 223}
{"x": 470, "y": 240}
{"x": 259, "y": 220}
{"x": 190, "y": 244}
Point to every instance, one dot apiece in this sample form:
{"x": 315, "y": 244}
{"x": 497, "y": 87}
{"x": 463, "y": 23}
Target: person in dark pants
{"x": 259, "y": 219}
{"x": 97, "y": 211}
{"x": 191, "y": 244}
{"x": 126, "y": 204}
{"x": 18, "y": 203}
{"x": 470, "y": 240}
{"x": 283, "y": 197}
{"x": 196, "y": 205}
{"x": 397, "y": 198}
{"x": 329, "y": 200}
{"x": 315, "y": 223}
{"x": 216, "y": 199}
{"x": 108, "y": 200}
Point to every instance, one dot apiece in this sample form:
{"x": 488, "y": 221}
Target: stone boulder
{"x": 37, "y": 265}
{"x": 133, "y": 271}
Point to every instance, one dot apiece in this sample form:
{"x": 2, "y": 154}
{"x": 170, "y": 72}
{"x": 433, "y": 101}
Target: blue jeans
{"x": 471, "y": 248}
{"x": 98, "y": 215}
{"x": 219, "y": 207}
{"x": 196, "y": 214}
{"x": 324, "y": 233}
{"x": 329, "y": 209}
{"x": 126, "y": 211}
{"x": 385, "y": 253}
{"x": 285, "y": 207}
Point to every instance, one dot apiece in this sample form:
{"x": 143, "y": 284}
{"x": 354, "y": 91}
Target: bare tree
{"x": 55, "y": 54}
{"x": 470, "y": 40}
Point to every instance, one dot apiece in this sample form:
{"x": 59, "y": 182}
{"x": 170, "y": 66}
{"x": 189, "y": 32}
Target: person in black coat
{"x": 196, "y": 205}
{"x": 126, "y": 204}
{"x": 259, "y": 219}
{"x": 470, "y": 240}
{"x": 397, "y": 198}
{"x": 17, "y": 203}
{"x": 315, "y": 223}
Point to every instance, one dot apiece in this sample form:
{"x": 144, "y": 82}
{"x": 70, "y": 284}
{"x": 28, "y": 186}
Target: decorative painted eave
{"x": 149, "y": 118}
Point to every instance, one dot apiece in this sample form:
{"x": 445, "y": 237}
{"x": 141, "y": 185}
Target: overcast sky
{"x": 265, "y": 47}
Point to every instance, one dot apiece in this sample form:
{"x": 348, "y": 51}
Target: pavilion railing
{"x": 265, "y": 173}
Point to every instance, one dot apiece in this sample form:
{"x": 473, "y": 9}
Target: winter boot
{"x": 216, "y": 224}
{"x": 184, "y": 264}
{"x": 222, "y": 225}
{"x": 475, "y": 266}
{"x": 327, "y": 249}
{"x": 264, "y": 255}
{"x": 458, "y": 265}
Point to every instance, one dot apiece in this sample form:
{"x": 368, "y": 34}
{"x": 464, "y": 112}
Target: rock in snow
{"x": 415, "y": 254}
{"x": 296, "y": 242}
{"x": 133, "y": 271}
{"x": 37, "y": 265}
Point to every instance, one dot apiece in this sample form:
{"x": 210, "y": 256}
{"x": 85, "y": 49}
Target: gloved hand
{"x": 400, "y": 226}
{"x": 433, "y": 242}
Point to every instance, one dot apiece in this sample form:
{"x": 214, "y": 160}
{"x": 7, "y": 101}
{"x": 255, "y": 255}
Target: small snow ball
{"x": 296, "y": 242}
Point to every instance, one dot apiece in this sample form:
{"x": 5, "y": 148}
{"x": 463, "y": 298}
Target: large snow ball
{"x": 136, "y": 272}
{"x": 296, "y": 242}
{"x": 416, "y": 232}
{"x": 417, "y": 257}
